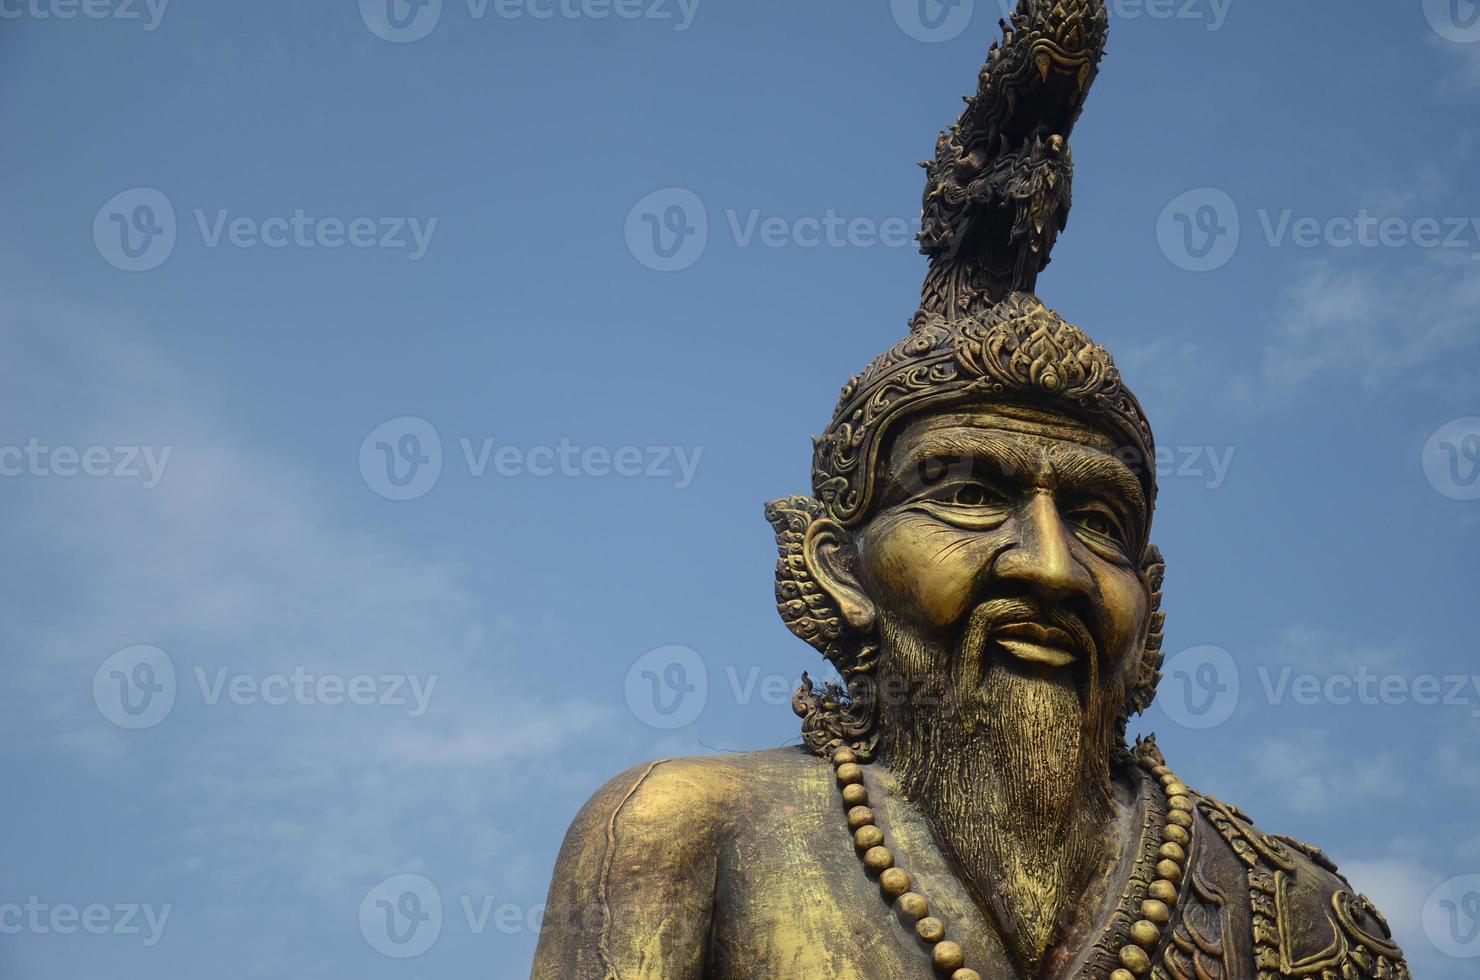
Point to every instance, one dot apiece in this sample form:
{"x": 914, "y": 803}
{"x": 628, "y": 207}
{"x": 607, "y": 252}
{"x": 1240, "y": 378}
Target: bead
{"x": 912, "y": 905}
{"x": 878, "y": 859}
{"x": 1170, "y": 870}
{"x": 948, "y": 956}
{"x": 894, "y": 882}
{"x": 930, "y": 929}
{"x": 1135, "y": 960}
{"x": 1163, "y": 891}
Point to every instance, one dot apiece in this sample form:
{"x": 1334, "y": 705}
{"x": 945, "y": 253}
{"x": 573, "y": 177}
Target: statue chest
{"x": 794, "y": 899}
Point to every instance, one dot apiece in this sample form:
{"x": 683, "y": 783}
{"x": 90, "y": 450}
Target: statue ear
{"x": 821, "y": 600}
{"x": 832, "y": 562}
{"x": 817, "y": 592}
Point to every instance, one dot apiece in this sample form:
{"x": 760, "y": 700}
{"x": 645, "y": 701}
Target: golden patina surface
{"x": 745, "y": 867}
{"x": 975, "y": 561}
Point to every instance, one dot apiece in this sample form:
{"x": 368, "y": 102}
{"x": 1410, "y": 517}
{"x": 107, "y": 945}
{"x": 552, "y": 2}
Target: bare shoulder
{"x": 703, "y": 797}
{"x": 634, "y": 885}
{"x": 678, "y": 812}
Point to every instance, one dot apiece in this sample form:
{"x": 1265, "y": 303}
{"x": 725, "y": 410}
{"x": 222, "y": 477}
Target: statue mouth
{"x": 1030, "y": 637}
{"x": 1037, "y": 643}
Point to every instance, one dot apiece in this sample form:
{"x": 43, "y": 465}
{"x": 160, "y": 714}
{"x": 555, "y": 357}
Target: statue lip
{"x": 1036, "y": 643}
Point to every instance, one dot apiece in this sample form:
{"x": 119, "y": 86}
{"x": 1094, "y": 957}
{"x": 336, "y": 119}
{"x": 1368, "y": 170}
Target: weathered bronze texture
{"x": 975, "y": 561}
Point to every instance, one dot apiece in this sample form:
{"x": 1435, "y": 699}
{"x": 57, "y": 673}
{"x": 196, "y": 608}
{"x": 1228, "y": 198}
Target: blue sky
{"x": 427, "y": 240}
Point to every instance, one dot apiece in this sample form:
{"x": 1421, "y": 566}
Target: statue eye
{"x": 974, "y": 494}
{"x": 970, "y": 495}
{"x": 972, "y": 505}
{"x": 1100, "y": 521}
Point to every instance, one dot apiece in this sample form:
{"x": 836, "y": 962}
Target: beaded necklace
{"x": 948, "y": 958}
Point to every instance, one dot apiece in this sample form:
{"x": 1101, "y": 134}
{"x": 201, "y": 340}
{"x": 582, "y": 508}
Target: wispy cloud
{"x": 1321, "y": 650}
{"x": 1461, "y": 76}
{"x": 1345, "y": 323}
{"x": 1313, "y": 776}
{"x": 1399, "y": 887}
{"x": 1163, "y": 372}
{"x": 238, "y": 559}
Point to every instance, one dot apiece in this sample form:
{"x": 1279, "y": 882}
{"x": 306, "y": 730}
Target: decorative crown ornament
{"x": 1016, "y": 351}
{"x": 996, "y": 196}
{"x": 997, "y": 193}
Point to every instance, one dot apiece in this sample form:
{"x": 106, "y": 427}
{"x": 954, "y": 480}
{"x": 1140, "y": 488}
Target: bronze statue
{"x": 976, "y": 564}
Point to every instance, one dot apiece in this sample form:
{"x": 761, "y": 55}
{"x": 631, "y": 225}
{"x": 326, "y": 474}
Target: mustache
{"x": 1054, "y": 623}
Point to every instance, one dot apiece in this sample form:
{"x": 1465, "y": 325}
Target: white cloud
{"x": 1162, "y": 373}
{"x": 1462, "y": 63}
{"x": 239, "y": 559}
{"x": 1398, "y": 887}
{"x": 1345, "y": 322}
{"x": 1322, "y": 651}
{"x": 1313, "y": 777}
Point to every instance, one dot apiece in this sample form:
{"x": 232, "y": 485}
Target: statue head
{"x": 984, "y": 493}
{"x": 982, "y": 498}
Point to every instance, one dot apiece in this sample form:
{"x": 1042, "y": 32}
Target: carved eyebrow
{"x": 1008, "y": 456}
{"x": 1075, "y": 469}
{"x": 1091, "y": 471}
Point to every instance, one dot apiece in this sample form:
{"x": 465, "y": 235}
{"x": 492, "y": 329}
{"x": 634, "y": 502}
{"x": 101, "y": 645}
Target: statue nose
{"x": 1042, "y": 560}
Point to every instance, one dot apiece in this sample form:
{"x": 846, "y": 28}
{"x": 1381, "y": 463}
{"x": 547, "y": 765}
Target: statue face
{"x": 1001, "y": 568}
{"x": 1024, "y": 512}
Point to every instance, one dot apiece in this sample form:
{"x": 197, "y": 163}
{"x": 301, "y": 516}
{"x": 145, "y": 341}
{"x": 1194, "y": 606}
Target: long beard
{"x": 1012, "y": 766}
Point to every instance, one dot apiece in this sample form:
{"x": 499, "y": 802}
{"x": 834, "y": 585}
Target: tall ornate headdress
{"x": 997, "y": 195}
